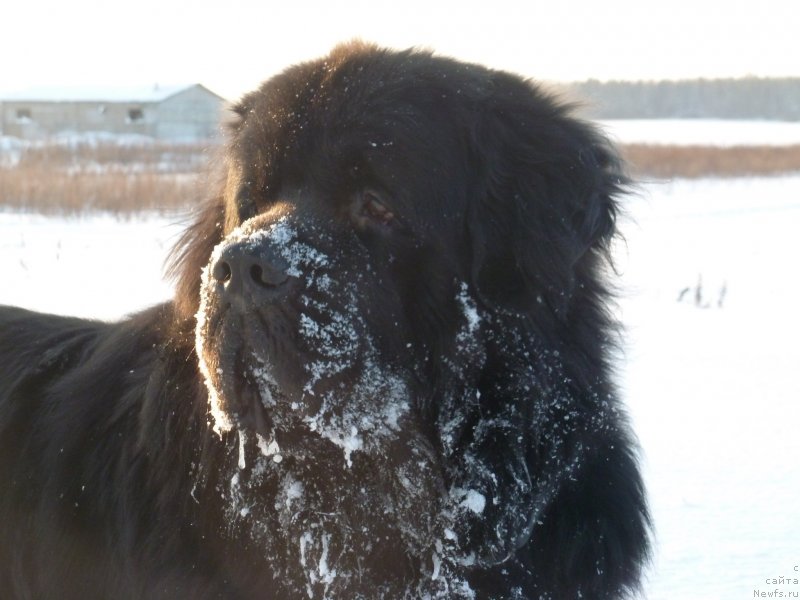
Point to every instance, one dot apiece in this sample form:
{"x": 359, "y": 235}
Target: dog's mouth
{"x": 355, "y": 409}
{"x": 304, "y": 382}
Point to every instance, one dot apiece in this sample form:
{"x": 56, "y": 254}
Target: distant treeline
{"x": 747, "y": 98}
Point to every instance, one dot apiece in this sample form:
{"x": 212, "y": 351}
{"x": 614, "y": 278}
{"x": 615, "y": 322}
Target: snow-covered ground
{"x": 714, "y": 390}
{"x": 711, "y": 380}
{"x": 94, "y": 266}
{"x": 708, "y": 132}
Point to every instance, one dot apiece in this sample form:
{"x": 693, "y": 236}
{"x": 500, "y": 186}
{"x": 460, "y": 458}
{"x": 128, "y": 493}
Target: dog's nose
{"x": 249, "y": 273}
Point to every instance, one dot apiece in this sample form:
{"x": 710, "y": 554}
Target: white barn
{"x": 175, "y": 113}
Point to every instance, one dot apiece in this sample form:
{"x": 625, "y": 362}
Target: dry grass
{"x": 76, "y": 178}
{"x": 67, "y": 193}
{"x": 125, "y": 178}
{"x": 667, "y": 162}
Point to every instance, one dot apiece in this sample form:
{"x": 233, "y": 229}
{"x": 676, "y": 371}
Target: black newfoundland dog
{"x": 385, "y": 373}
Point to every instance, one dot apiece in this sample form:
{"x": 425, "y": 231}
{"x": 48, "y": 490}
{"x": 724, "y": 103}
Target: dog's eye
{"x": 376, "y": 210}
{"x": 372, "y": 210}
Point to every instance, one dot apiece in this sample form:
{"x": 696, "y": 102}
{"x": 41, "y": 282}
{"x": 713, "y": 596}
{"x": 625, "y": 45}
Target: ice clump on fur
{"x": 472, "y": 500}
{"x": 470, "y": 310}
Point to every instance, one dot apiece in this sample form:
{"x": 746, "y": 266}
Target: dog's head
{"x": 403, "y": 248}
{"x": 375, "y": 204}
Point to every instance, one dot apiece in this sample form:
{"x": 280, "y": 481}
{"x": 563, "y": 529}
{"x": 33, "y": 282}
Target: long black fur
{"x": 116, "y": 486}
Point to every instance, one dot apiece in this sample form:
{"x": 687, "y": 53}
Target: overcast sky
{"x": 230, "y": 46}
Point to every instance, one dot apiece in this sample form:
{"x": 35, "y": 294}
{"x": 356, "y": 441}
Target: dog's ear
{"x": 543, "y": 202}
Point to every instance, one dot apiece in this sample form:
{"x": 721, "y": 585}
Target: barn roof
{"x": 141, "y": 94}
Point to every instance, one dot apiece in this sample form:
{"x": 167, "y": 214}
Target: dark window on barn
{"x": 23, "y": 115}
{"x": 135, "y": 115}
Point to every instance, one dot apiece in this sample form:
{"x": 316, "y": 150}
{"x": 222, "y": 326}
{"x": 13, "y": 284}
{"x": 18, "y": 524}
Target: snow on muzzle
{"x": 285, "y": 294}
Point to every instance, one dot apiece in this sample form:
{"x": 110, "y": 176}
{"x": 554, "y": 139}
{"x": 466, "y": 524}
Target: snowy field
{"x": 711, "y": 380}
{"x": 714, "y": 390}
{"x": 96, "y": 266}
{"x": 703, "y": 132}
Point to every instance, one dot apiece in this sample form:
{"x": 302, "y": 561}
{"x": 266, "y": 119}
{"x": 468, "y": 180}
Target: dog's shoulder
{"x": 36, "y": 348}
{"x": 33, "y": 344}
